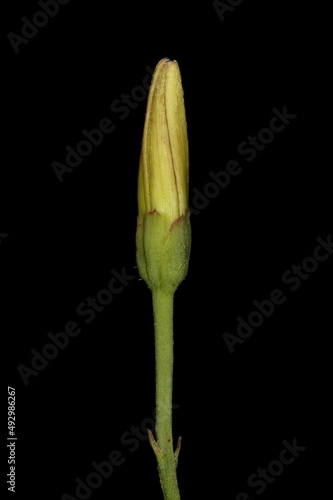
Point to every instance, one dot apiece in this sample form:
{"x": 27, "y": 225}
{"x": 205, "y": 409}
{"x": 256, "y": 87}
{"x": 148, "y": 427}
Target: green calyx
{"x": 163, "y": 250}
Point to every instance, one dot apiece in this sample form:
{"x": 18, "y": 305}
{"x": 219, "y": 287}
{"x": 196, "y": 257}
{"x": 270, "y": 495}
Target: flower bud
{"x": 163, "y": 231}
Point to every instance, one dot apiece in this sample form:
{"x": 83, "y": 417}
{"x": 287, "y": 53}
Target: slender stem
{"x": 166, "y": 460}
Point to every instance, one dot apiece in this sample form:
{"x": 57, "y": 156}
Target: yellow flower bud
{"x": 163, "y": 173}
{"x": 163, "y": 233}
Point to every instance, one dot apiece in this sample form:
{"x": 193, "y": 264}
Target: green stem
{"x": 166, "y": 457}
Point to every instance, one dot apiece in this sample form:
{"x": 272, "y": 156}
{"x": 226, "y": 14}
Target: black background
{"x": 64, "y": 238}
